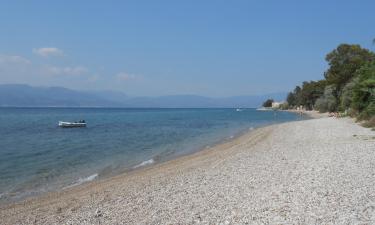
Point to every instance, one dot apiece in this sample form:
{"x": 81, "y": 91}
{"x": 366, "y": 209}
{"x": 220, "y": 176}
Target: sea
{"x": 37, "y": 156}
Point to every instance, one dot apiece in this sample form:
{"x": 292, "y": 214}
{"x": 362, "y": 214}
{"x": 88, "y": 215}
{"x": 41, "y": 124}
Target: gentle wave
{"x": 83, "y": 180}
{"x": 87, "y": 179}
{"x": 144, "y": 163}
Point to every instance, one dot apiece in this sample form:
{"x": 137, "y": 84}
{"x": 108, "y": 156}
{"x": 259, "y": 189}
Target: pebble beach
{"x": 317, "y": 171}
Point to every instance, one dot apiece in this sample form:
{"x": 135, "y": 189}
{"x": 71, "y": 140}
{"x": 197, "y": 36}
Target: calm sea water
{"x": 37, "y": 156}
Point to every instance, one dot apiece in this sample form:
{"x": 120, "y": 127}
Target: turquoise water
{"x": 37, "y": 156}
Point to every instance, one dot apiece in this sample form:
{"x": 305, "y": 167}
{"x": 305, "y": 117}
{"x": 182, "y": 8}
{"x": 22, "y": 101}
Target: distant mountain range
{"x": 19, "y": 95}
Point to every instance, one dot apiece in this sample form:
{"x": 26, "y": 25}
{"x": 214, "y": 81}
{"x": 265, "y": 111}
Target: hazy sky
{"x": 211, "y": 48}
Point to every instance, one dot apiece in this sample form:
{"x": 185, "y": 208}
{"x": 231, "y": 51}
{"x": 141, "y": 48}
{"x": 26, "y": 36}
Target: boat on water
{"x": 80, "y": 123}
{"x": 238, "y": 110}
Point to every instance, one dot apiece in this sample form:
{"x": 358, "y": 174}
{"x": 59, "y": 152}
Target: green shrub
{"x": 347, "y": 95}
{"x": 368, "y": 112}
{"x": 284, "y": 106}
{"x": 364, "y": 91}
{"x": 327, "y": 102}
{"x": 370, "y": 122}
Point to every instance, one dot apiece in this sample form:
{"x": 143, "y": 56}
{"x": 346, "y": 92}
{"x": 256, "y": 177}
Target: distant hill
{"x": 18, "y": 95}
{"x": 27, "y": 96}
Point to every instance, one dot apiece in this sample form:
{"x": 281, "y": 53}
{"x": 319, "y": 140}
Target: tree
{"x": 310, "y": 92}
{"x": 298, "y": 98}
{"x": 291, "y": 99}
{"x": 364, "y": 91}
{"x": 294, "y": 98}
{"x": 327, "y": 102}
{"x": 349, "y": 84}
{"x": 284, "y": 106}
{"x": 268, "y": 103}
{"x": 347, "y": 94}
{"x": 343, "y": 63}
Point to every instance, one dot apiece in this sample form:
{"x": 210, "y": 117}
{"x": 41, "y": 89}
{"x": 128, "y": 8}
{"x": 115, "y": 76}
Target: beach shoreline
{"x": 209, "y": 174}
{"x": 309, "y": 113}
{"x": 45, "y": 158}
{"x": 223, "y": 143}
{"x": 9, "y": 197}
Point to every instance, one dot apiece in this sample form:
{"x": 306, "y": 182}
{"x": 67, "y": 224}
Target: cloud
{"x": 125, "y": 76}
{"x": 13, "y": 59}
{"x": 76, "y": 71}
{"x": 48, "y": 51}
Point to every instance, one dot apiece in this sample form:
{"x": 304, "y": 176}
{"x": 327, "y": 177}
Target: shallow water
{"x": 37, "y": 156}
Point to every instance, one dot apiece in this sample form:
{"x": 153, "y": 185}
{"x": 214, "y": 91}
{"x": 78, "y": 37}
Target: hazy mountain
{"x": 24, "y": 95}
{"x": 114, "y": 96}
{"x": 194, "y": 101}
{"x": 28, "y": 96}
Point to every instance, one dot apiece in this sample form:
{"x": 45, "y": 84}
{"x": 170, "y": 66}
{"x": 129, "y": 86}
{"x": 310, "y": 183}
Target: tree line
{"x": 348, "y": 85}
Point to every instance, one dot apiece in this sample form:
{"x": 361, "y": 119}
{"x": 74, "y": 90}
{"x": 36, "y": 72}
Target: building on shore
{"x": 277, "y": 105}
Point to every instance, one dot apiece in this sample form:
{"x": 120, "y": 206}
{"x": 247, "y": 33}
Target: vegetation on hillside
{"x": 268, "y": 103}
{"x": 348, "y": 85}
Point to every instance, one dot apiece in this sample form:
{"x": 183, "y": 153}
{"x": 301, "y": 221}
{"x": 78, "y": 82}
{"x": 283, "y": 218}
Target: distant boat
{"x": 63, "y": 124}
{"x": 238, "y": 110}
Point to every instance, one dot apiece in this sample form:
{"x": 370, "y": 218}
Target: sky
{"x": 153, "y": 48}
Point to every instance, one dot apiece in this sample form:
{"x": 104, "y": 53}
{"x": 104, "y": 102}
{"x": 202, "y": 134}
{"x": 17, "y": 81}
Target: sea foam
{"x": 83, "y": 180}
{"x": 144, "y": 163}
{"x": 87, "y": 179}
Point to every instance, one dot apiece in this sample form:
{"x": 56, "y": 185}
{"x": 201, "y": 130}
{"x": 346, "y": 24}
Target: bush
{"x": 284, "y": 106}
{"x": 368, "y": 112}
{"x": 347, "y": 95}
{"x": 327, "y": 102}
{"x": 364, "y": 91}
{"x": 370, "y": 122}
{"x": 352, "y": 112}
{"x": 321, "y": 105}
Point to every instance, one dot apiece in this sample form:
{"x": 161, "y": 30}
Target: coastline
{"x": 208, "y": 141}
{"x": 58, "y": 158}
{"x": 145, "y": 165}
{"x": 229, "y": 167}
{"x": 310, "y": 114}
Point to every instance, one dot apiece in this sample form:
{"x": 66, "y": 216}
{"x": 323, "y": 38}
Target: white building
{"x": 277, "y": 104}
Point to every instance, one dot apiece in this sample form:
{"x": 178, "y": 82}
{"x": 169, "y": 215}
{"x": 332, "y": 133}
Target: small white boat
{"x": 72, "y": 124}
{"x": 238, "y": 110}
